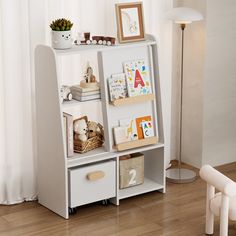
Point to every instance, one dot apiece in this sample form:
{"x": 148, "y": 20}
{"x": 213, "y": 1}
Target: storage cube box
{"x": 132, "y": 171}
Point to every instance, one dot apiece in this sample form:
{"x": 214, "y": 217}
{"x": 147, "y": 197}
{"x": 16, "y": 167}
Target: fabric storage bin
{"x": 131, "y": 171}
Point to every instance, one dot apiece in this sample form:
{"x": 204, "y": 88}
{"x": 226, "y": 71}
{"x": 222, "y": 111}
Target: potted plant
{"x": 61, "y": 33}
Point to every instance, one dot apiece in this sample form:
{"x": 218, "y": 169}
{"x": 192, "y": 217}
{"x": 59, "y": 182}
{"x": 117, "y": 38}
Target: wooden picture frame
{"x": 130, "y": 23}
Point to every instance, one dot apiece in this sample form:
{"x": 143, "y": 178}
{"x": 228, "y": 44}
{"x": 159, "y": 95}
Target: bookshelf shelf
{"x": 133, "y": 100}
{"x": 62, "y": 178}
{"x": 74, "y": 103}
{"x": 136, "y": 143}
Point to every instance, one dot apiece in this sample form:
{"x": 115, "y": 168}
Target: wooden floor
{"x": 179, "y": 212}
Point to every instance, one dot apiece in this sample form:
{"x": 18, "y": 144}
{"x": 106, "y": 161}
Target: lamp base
{"x": 180, "y": 175}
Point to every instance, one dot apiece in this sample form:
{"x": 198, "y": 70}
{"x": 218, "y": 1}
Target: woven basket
{"x": 91, "y": 143}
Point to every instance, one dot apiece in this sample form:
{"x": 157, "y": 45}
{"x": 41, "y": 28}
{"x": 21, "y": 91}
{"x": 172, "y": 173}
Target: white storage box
{"x": 92, "y": 183}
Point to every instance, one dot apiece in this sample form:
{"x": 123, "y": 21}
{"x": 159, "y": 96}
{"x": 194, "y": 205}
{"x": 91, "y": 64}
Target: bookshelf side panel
{"x": 52, "y": 170}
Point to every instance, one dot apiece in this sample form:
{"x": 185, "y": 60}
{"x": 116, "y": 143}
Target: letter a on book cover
{"x": 138, "y": 79}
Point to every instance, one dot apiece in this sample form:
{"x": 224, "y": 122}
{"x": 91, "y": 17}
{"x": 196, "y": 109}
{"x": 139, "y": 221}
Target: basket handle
{"x": 96, "y": 175}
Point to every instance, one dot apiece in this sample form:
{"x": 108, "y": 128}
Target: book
{"x": 78, "y": 88}
{"x": 138, "y": 79}
{"x": 117, "y": 86}
{"x": 68, "y": 132}
{"x": 84, "y": 94}
{"x": 131, "y": 130}
{"x": 147, "y": 128}
{"x": 139, "y": 121}
{"x": 120, "y": 135}
{"x": 87, "y": 98}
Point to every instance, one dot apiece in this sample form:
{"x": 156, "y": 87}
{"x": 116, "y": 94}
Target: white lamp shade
{"x": 184, "y": 15}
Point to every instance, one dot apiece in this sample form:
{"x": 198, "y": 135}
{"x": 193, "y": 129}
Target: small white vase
{"x": 61, "y": 39}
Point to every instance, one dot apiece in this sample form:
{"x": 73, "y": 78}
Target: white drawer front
{"x": 92, "y": 183}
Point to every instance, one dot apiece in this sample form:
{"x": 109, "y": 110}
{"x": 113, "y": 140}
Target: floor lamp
{"x": 182, "y": 16}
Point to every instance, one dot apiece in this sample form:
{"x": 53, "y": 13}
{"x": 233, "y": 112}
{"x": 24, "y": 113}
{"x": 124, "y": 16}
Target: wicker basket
{"x": 91, "y": 143}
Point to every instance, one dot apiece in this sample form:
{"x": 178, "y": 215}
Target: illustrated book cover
{"x": 117, "y": 86}
{"x": 147, "y": 128}
{"x": 139, "y": 127}
{"x": 131, "y": 130}
{"x": 138, "y": 78}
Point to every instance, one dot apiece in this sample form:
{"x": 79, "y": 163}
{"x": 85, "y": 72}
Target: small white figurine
{"x": 66, "y": 94}
{"x": 81, "y": 130}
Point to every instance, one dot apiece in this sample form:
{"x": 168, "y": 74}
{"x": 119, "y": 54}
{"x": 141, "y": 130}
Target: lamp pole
{"x": 182, "y": 26}
{"x": 181, "y": 175}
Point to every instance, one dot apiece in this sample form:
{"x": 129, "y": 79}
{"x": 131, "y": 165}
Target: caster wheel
{"x": 105, "y": 202}
{"x": 72, "y": 211}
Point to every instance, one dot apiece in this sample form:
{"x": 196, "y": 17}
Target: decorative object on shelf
{"x": 117, "y": 86}
{"x": 139, "y": 122}
{"x": 66, "y": 94}
{"x": 131, "y": 130}
{"x": 89, "y": 79}
{"x": 103, "y": 40}
{"x": 85, "y": 94}
{"x": 84, "y": 39}
{"x": 89, "y": 76}
{"x": 182, "y": 16}
{"x": 68, "y": 133}
{"x": 61, "y": 33}
{"x": 137, "y": 76}
{"x": 130, "y": 25}
{"x": 81, "y": 129}
{"x": 92, "y": 129}
{"x": 131, "y": 171}
{"x": 91, "y": 143}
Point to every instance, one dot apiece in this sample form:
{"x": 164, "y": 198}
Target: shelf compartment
{"x": 133, "y": 100}
{"x": 148, "y": 186}
{"x": 136, "y": 143}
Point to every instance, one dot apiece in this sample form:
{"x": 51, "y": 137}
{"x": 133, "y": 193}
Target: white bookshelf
{"x": 55, "y": 169}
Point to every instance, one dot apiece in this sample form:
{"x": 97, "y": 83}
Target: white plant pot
{"x": 61, "y": 39}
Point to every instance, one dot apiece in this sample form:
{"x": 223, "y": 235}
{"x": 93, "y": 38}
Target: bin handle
{"x": 96, "y": 175}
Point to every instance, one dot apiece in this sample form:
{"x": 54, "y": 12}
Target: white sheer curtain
{"x": 25, "y": 23}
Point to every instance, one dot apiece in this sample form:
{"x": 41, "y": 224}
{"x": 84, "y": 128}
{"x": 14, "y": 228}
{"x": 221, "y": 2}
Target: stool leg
{"x": 209, "y": 214}
{"x": 224, "y": 216}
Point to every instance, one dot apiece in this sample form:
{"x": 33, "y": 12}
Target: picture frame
{"x": 130, "y": 22}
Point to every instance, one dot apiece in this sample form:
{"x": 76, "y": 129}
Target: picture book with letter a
{"x": 138, "y": 79}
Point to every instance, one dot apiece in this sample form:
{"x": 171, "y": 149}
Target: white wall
{"x": 219, "y": 123}
{"x": 209, "y": 132}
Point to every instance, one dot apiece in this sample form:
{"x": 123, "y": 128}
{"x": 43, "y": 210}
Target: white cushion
{"x": 216, "y": 204}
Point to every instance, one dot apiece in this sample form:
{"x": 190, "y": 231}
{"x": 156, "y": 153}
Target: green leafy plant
{"x": 61, "y": 25}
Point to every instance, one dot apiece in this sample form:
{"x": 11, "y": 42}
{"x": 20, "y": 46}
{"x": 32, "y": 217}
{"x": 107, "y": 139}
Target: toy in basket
{"x": 88, "y": 135}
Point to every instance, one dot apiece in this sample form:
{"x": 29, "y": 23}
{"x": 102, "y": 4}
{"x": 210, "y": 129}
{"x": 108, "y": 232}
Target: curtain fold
{"x": 23, "y": 25}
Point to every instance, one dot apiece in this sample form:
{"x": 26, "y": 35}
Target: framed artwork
{"x": 130, "y": 25}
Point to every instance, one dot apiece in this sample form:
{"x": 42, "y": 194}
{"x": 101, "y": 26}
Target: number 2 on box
{"x": 132, "y": 173}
